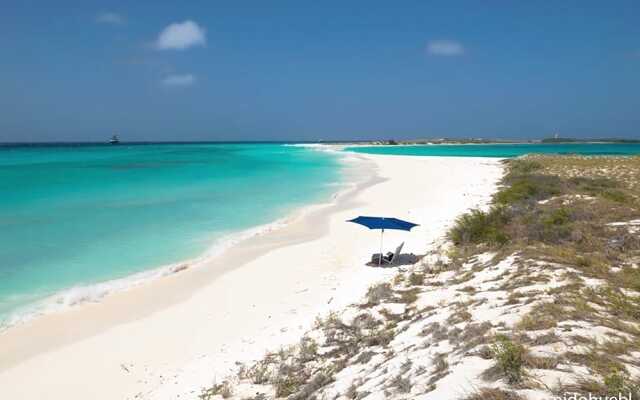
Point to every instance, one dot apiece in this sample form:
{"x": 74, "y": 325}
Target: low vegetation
{"x": 574, "y": 219}
{"x": 509, "y": 357}
{"x": 541, "y": 288}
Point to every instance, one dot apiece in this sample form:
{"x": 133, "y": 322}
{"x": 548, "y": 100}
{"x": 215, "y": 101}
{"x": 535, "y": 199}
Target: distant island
{"x": 574, "y": 140}
{"x": 554, "y": 140}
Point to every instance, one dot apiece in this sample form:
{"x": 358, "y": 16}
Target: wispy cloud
{"x": 177, "y": 80}
{"x": 181, "y": 36}
{"x": 110, "y": 18}
{"x": 445, "y": 47}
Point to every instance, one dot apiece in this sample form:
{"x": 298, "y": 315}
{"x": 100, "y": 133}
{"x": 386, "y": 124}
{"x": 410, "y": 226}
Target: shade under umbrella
{"x": 383, "y": 223}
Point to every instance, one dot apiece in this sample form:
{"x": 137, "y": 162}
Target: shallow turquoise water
{"x": 78, "y": 215}
{"x": 502, "y": 150}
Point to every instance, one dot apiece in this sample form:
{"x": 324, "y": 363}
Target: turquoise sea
{"x": 502, "y": 150}
{"x": 77, "y": 221}
{"x": 74, "y": 216}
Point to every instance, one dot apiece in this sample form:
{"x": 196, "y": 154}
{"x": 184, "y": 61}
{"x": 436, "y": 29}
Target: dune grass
{"x": 572, "y": 213}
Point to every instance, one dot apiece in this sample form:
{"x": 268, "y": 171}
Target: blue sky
{"x": 302, "y": 70}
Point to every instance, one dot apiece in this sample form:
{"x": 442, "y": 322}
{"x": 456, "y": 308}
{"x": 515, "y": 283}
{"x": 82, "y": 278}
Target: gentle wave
{"x": 93, "y": 293}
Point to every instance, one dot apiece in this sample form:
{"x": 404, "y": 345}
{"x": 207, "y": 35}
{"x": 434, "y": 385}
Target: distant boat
{"x": 114, "y": 139}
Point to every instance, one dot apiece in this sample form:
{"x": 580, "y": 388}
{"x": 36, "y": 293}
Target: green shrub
{"x": 615, "y": 382}
{"x": 416, "y": 279}
{"x": 523, "y": 167}
{"x": 603, "y": 187}
{"x": 480, "y": 227}
{"x": 509, "y": 357}
{"x": 528, "y": 188}
{"x": 559, "y": 216}
{"x": 615, "y": 195}
{"x": 592, "y": 186}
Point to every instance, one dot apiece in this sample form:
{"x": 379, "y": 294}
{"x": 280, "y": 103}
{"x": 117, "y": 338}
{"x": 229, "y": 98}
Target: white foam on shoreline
{"x": 93, "y": 293}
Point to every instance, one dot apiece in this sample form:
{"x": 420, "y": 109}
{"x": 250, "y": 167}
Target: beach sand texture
{"x": 168, "y": 338}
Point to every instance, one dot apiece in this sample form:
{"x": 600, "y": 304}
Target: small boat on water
{"x": 114, "y": 139}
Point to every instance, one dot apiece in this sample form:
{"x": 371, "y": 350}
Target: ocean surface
{"x": 502, "y": 150}
{"x": 78, "y": 221}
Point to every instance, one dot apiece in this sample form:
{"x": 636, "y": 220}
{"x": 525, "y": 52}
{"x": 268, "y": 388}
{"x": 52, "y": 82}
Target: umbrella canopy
{"x": 383, "y": 223}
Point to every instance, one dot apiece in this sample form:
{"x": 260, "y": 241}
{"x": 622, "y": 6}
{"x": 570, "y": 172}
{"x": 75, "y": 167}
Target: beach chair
{"x": 390, "y": 258}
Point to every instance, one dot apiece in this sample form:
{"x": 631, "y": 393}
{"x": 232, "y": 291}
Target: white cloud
{"x": 445, "y": 48}
{"x": 181, "y": 36}
{"x": 179, "y": 80}
{"x": 110, "y": 18}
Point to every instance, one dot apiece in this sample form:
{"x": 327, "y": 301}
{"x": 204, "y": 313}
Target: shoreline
{"x": 154, "y": 334}
{"x": 78, "y": 295}
{"x": 251, "y": 239}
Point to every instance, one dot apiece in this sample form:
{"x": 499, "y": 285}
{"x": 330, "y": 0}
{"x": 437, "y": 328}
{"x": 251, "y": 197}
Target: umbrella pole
{"x": 380, "y": 258}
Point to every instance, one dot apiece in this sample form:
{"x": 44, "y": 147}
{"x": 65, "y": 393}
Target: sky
{"x": 310, "y": 70}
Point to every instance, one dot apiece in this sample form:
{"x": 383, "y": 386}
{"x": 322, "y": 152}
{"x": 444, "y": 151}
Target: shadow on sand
{"x": 402, "y": 259}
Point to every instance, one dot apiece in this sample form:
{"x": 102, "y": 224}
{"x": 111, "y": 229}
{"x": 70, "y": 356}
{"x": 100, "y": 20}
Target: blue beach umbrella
{"x": 383, "y": 223}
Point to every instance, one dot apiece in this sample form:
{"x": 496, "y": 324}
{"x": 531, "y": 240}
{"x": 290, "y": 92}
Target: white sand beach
{"x": 168, "y": 338}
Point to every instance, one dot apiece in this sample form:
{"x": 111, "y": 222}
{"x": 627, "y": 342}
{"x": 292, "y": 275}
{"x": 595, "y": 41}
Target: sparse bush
{"x": 365, "y": 357}
{"x": 493, "y": 394}
{"x": 379, "y": 293}
{"x": 319, "y": 380}
{"x": 365, "y": 321}
{"x": 547, "y": 338}
{"x": 406, "y": 365}
{"x": 308, "y": 349}
{"x": 541, "y": 362}
{"x": 615, "y": 195}
{"x": 352, "y": 391}
{"x": 409, "y": 296}
{"x": 259, "y": 373}
{"x": 459, "y": 315}
{"x": 224, "y": 389}
{"x": 379, "y": 337}
{"x": 474, "y": 334}
{"x": 536, "y": 322}
{"x": 481, "y": 227}
{"x": 509, "y": 357}
{"x": 258, "y": 396}
{"x": 592, "y": 185}
{"x": 523, "y": 166}
{"x": 527, "y": 188}
{"x": 468, "y": 289}
{"x": 402, "y": 385}
{"x": 441, "y": 364}
{"x": 485, "y": 353}
{"x": 289, "y": 380}
{"x": 416, "y": 279}
{"x": 437, "y": 331}
{"x": 557, "y": 217}
{"x": 611, "y": 386}
{"x": 398, "y": 279}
